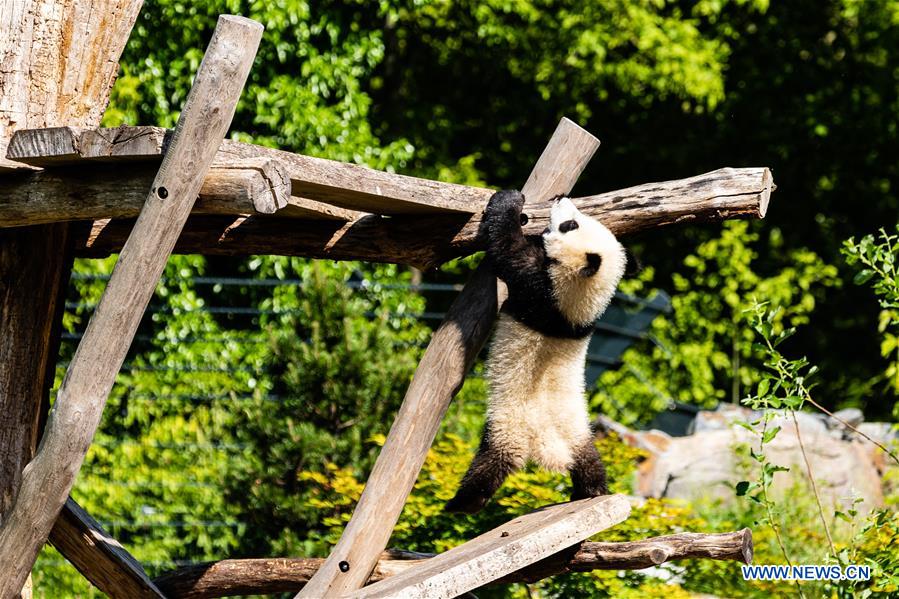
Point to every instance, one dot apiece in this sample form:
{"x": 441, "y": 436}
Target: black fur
{"x": 520, "y": 261}
{"x": 486, "y": 474}
{"x": 588, "y": 474}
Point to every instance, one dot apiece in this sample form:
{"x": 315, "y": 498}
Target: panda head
{"x": 585, "y": 262}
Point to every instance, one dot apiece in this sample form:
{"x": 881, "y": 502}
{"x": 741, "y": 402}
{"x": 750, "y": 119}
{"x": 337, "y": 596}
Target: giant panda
{"x": 559, "y": 283}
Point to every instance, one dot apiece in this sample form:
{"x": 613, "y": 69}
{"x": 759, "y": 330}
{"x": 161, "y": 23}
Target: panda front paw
{"x": 504, "y": 202}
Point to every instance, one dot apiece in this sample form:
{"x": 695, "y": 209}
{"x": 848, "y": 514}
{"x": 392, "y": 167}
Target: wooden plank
{"x": 266, "y": 576}
{"x": 440, "y": 374}
{"x": 350, "y": 186}
{"x": 503, "y": 550}
{"x": 90, "y": 193}
{"x": 73, "y": 421}
{"x": 427, "y": 241}
{"x": 100, "y": 558}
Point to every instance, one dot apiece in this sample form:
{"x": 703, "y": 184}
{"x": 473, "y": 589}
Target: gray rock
{"x": 707, "y": 465}
{"x": 851, "y": 416}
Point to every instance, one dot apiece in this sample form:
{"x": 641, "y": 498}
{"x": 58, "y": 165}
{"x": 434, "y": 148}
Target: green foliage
{"x": 878, "y": 258}
{"x": 424, "y": 526}
{"x": 305, "y": 92}
{"x": 339, "y": 365}
{"x": 875, "y": 546}
{"x": 703, "y": 353}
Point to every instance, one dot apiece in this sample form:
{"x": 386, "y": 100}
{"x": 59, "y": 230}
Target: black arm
{"x": 512, "y": 255}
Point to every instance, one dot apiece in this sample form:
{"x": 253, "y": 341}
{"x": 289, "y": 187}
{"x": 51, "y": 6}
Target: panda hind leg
{"x": 486, "y": 474}
{"x": 588, "y": 474}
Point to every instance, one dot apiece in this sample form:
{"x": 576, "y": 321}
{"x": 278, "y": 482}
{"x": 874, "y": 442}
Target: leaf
{"x": 770, "y": 434}
{"x": 863, "y": 276}
{"x": 743, "y": 487}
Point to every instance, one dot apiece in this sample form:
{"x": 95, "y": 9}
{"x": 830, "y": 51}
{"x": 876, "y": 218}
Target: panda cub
{"x": 559, "y": 283}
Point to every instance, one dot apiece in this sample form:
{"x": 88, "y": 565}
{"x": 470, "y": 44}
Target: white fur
{"x": 582, "y": 300}
{"x": 537, "y": 407}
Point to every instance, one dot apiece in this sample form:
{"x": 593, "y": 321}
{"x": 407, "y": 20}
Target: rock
{"x": 882, "y": 432}
{"x": 851, "y": 416}
{"x": 721, "y": 418}
{"x": 706, "y": 465}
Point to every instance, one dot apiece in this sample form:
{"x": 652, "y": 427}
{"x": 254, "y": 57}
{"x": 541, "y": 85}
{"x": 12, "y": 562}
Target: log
{"x": 89, "y": 193}
{"x": 428, "y": 241}
{"x": 503, "y": 550}
{"x": 73, "y": 421}
{"x": 350, "y": 186}
{"x": 281, "y": 575}
{"x": 100, "y": 558}
{"x": 439, "y": 376}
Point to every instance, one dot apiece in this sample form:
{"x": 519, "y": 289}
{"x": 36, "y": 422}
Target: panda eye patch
{"x": 568, "y": 225}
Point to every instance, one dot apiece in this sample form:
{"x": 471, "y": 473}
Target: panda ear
{"x": 634, "y": 266}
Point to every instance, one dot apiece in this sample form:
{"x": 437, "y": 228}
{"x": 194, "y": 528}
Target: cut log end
{"x": 747, "y": 549}
{"x": 765, "y": 196}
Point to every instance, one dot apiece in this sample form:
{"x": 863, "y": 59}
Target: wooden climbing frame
{"x": 146, "y": 192}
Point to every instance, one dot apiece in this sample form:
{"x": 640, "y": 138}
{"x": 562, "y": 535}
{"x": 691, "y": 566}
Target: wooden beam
{"x": 350, "y": 186}
{"x": 282, "y": 575}
{"x": 440, "y": 374}
{"x": 100, "y": 558}
{"x": 427, "y": 241}
{"x": 73, "y": 421}
{"x": 503, "y": 550}
{"x": 258, "y": 186}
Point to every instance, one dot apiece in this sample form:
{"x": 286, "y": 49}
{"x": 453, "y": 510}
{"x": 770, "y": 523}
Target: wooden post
{"x": 75, "y": 416}
{"x": 440, "y": 374}
{"x": 34, "y": 270}
{"x": 58, "y": 61}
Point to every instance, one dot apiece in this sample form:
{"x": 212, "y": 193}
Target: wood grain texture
{"x": 503, "y": 550}
{"x": 350, "y": 186}
{"x": 100, "y": 558}
{"x": 89, "y": 193}
{"x": 73, "y": 421}
{"x": 34, "y": 271}
{"x": 58, "y": 60}
{"x": 439, "y": 376}
{"x": 281, "y": 574}
{"x": 427, "y": 241}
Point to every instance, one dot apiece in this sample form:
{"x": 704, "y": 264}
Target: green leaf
{"x": 770, "y": 434}
{"x": 863, "y": 276}
{"x": 743, "y": 487}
